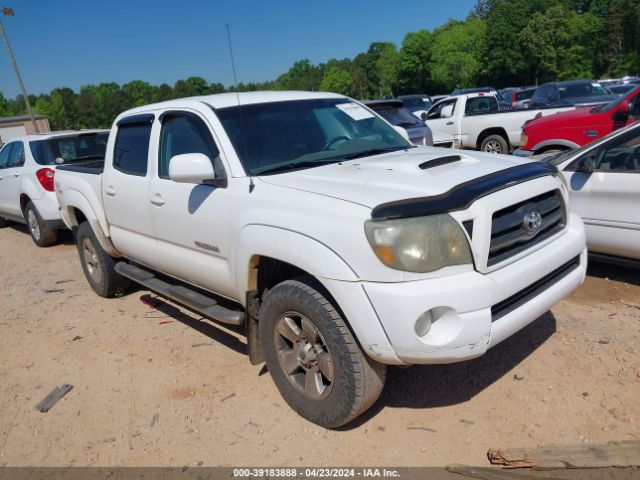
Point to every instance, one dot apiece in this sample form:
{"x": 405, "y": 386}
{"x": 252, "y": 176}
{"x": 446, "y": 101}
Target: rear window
{"x": 131, "y": 151}
{"x": 481, "y": 104}
{"x": 63, "y": 150}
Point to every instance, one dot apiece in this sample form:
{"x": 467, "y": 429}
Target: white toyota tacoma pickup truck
{"x": 336, "y": 244}
{"x": 475, "y": 121}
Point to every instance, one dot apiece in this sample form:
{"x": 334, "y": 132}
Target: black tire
{"x": 3, "y": 223}
{"x": 495, "y": 144}
{"x": 41, "y": 235}
{"x": 97, "y": 265}
{"x": 356, "y": 381}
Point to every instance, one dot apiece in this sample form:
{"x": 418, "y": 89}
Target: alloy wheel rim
{"x": 34, "y": 227}
{"x": 303, "y": 356}
{"x": 493, "y": 147}
{"x": 91, "y": 260}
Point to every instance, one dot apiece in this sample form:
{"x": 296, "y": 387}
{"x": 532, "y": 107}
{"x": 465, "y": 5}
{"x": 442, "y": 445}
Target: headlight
{"x": 421, "y": 244}
{"x": 524, "y": 140}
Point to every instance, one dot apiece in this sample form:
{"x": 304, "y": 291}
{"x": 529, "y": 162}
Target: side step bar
{"x": 207, "y": 306}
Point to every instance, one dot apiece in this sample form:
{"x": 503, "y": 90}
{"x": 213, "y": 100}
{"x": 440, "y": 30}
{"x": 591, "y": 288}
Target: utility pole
{"x": 8, "y": 12}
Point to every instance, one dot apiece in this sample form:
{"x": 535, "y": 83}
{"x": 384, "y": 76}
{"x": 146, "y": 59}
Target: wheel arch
{"x": 554, "y": 144}
{"x": 295, "y": 254}
{"x": 493, "y": 131}
{"x": 76, "y": 209}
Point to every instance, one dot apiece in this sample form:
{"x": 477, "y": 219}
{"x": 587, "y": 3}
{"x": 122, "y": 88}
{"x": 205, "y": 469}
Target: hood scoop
{"x": 437, "y": 162}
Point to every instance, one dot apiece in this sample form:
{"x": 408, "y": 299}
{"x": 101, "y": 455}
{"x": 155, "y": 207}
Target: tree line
{"x": 500, "y": 43}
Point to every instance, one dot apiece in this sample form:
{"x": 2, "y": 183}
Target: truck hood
{"x": 378, "y": 179}
{"x": 574, "y": 118}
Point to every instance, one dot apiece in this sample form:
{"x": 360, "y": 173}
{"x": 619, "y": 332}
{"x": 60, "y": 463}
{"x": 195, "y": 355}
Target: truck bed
{"x": 93, "y": 167}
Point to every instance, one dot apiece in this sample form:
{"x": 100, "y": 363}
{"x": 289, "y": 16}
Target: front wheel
{"x": 98, "y": 266}
{"x": 495, "y": 144}
{"x": 42, "y": 235}
{"x": 314, "y": 360}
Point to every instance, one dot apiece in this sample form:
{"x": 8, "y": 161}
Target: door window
{"x": 131, "y": 151}
{"x": 621, "y": 154}
{"x": 184, "y": 133}
{"x": 17, "y": 155}
{"x": 4, "y": 155}
{"x": 442, "y": 109}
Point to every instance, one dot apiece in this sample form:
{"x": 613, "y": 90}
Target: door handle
{"x": 16, "y": 175}
{"x": 110, "y": 191}
{"x": 157, "y": 200}
{"x": 449, "y": 123}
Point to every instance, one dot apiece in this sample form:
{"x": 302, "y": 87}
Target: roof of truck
{"x": 222, "y": 100}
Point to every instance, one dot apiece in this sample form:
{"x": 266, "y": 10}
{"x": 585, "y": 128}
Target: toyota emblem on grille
{"x": 532, "y": 222}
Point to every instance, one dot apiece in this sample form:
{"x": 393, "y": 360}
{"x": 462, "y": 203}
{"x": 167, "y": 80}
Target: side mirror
{"x": 624, "y": 110}
{"x": 192, "y": 168}
{"x": 402, "y": 132}
{"x": 586, "y": 165}
{"x": 424, "y": 116}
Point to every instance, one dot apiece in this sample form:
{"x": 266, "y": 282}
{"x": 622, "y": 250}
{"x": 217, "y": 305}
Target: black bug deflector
{"x": 462, "y": 196}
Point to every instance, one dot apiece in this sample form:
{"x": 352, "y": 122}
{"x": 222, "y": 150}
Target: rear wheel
{"x": 98, "y": 266}
{"x": 40, "y": 233}
{"x": 495, "y": 144}
{"x": 314, "y": 360}
{"x": 3, "y": 223}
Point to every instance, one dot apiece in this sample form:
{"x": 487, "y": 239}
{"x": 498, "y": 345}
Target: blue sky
{"x": 74, "y": 42}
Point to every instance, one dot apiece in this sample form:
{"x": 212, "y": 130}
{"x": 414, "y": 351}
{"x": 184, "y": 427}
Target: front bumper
{"x": 465, "y": 325}
{"x": 520, "y": 152}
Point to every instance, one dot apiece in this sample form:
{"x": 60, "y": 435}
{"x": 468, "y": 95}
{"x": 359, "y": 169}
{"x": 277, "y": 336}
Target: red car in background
{"x": 575, "y": 128}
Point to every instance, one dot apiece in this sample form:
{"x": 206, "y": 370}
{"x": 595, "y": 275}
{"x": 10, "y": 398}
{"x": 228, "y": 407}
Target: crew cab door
{"x": 125, "y": 187}
{"x": 605, "y": 191}
{"x": 10, "y": 178}
{"x": 191, "y": 221}
{"x": 443, "y": 117}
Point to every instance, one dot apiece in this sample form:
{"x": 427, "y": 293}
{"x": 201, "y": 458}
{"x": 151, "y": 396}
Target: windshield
{"x": 581, "y": 90}
{"x": 278, "y": 136}
{"x": 609, "y": 106}
{"x": 61, "y": 150}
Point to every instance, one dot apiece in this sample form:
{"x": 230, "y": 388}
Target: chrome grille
{"x": 512, "y": 234}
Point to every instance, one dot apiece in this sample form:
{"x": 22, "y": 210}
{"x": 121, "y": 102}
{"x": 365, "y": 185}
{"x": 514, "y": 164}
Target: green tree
{"x": 139, "y": 93}
{"x": 456, "y": 54}
{"x": 387, "y": 67}
{"x": 415, "y": 55}
{"x": 302, "y": 75}
{"x": 336, "y": 79}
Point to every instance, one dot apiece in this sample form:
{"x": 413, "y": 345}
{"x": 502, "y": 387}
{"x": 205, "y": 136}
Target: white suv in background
{"x": 27, "y": 169}
{"x": 603, "y": 179}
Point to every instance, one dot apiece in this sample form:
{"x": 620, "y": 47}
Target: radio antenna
{"x": 233, "y": 63}
{"x": 235, "y": 83}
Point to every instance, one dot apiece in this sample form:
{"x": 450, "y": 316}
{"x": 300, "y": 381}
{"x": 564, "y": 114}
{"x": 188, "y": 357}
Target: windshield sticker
{"x": 355, "y": 111}
{"x": 595, "y": 84}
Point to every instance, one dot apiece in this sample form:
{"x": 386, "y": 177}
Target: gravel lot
{"x": 155, "y": 386}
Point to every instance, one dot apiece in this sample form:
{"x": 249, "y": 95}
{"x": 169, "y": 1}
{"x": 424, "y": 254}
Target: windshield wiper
{"x": 376, "y": 151}
{"x": 294, "y": 165}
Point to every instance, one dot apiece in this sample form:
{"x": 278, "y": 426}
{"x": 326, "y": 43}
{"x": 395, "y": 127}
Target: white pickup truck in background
{"x": 475, "y": 122}
{"x": 337, "y": 245}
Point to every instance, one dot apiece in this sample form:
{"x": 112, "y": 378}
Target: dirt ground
{"x": 159, "y": 387}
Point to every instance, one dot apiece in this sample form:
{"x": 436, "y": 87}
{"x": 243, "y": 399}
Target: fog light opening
{"x": 423, "y": 323}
